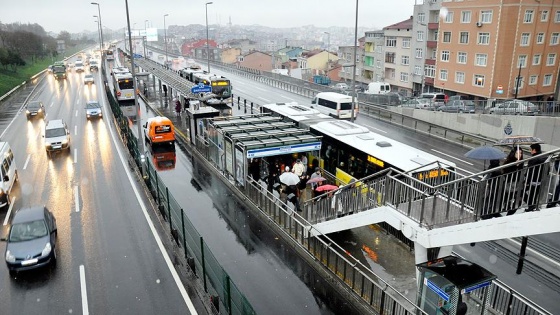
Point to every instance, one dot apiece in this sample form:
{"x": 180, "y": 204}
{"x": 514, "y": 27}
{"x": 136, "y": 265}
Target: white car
{"x": 79, "y": 66}
{"x": 88, "y": 79}
{"x": 93, "y": 110}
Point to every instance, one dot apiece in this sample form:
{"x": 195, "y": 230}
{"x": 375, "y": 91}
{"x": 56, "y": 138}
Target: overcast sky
{"x": 77, "y": 15}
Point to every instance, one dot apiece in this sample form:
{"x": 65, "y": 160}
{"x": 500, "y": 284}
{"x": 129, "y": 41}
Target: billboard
{"x": 152, "y": 34}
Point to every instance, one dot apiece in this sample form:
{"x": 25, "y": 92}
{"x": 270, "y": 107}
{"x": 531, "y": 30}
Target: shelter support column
{"x": 445, "y": 251}
{"x": 420, "y": 256}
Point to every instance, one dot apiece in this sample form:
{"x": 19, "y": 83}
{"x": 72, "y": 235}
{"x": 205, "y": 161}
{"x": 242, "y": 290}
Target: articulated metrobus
{"x": 123, "y": 88}
{"x": 109, "y": 55}
{"x": 335, "y": 104}
{"x": 221, "y": 86}
{"x": 350, "y": 151}
{"x": 302, "y": 116}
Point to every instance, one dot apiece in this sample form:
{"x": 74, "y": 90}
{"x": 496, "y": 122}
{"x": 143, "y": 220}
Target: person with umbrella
{"x": 511, "y": 175}
{"x": 534, "y": 177}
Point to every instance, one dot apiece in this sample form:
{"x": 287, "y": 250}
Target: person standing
{"x": 550, "y": 104}
{"x": 534, "y": 176}
{"x": 511, "y": 179}
{"x": 177, "y": 107}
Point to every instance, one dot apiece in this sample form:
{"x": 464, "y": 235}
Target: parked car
{"x": 515, "y": 107}
{"x": 458, "y": 106}
{"x": 341, "y": 86}
{"x": 437, "y": 99}
{"x": 31, "y": 240}
{"x": 418, "y": 103}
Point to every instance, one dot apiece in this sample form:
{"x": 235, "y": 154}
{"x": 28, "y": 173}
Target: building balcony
{"x": 430, "y": 62}
{"x": 429, "y": 81}
{"x": 431, "y": 44}
{"x": 433, "y": 26}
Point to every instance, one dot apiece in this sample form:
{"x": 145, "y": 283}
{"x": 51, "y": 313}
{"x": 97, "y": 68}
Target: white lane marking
{"x": 76, "y": 113}
{"x": 162, "y": 249}
{"x": 77, "y": 198}
{"x": 264, "y": 99}
{"x": 75, "y": 156}
{"x": 291, "y": 99}
{"x": 26, "y": 161}
{"x": 451, "y": 156}
{"x": 242, "y": 83}
{"x": 85, "y": 310}
{"x": 77, "y": 102}
{"x": 258, "y": 88}
{"x": 75, "y": 130}
{"x": 240, "y": 90}
{"x": 380, "y": 130}
{"x": 52, "y": 103}
{"x": 9, "y": 210}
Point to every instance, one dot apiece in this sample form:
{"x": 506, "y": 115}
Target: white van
{"x": 9, "y": 174}
{"x": 335, "y": 104}
{"x": 378, "y": 88}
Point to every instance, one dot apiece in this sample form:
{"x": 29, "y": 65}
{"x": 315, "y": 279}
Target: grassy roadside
{"x": 9, "y": 79}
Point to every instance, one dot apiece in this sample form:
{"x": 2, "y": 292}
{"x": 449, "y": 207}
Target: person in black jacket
{"x": 534, "y": 177}
{"x": 511, "y": 179}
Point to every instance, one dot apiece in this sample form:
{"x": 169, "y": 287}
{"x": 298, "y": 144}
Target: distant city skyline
{"x": 70, "y": 15}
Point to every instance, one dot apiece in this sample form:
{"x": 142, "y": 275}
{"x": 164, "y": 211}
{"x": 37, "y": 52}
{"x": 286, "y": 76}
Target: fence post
{"x": 168, "y": 208}
{"x": 228, "y": 292}
{"x": 203, "y": 264}
{"x": 184, "y": 234}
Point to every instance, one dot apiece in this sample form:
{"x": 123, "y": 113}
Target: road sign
{"x": 137, "y": 56}
{"x": 201, "y": 88}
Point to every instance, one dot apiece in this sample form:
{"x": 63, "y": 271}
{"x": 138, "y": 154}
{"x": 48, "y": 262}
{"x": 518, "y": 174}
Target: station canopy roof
{"x": 264, "y": 135}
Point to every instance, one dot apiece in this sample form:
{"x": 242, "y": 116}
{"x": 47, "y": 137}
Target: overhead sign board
{"x": 151, "y": 34}
{"x": 201, "y": 88}
{"x": 442, "y": 294}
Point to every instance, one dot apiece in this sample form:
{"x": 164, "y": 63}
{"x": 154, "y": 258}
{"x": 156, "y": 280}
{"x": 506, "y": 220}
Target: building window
{"x": 557, "y": 17}
{"x": 462, "y": 57}
{"x": 447, "y": 37}
{"x": 391, "y": 73}
{"x": 547, "y": 81}
{"x": 478, "y": 80}
{"x": 540, "y": 38}
{"x": 528, "y": 18}
{"x": 391, "y": 41}
{"x": 420, "y": 36}
{"x": 434, "y": 54}
{"x": 449, "y": 17}
{"x": 430, "y": 71}
{"x": 481, "y": 60}
{"x": 551, "y": 59}
{"x": 536, "y": 59}
{"x": 445, "y": 55}
{"x": 465, "y": 16}
{"x": 554, "y": 38}
{"x": 390, "y": 57}
{"x": 544, "y": 15}
{"x": 525, "y": 37}
{"x": 460, "y": 77}
{"x": 406, "y": 43}
{"x": 419, "y": 53}
{"x": 533, "y": 79}
{"x": 464, "y": 38}
{"x": 405, "y": 60}
{"x": 519, "y": 84}
{"x": 483, "y": 38}
{"x": 421, "y": 17}
{"x": 418, "y": 70}
{"x": 486, "y": 16}
{"x": 522, "y": 61}
{"x": 404, "y": 76}
{"x": 443, "y": 75}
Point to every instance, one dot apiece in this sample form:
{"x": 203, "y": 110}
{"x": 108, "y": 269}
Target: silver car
{"x": 93, "y": 110}
{"x": 515, "y": 107}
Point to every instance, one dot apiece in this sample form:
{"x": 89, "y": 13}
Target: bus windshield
{"x": 126, "y": 84}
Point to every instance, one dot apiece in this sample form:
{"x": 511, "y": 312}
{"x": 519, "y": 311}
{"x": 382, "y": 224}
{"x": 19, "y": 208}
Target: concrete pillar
{"x": 420, "y": 256}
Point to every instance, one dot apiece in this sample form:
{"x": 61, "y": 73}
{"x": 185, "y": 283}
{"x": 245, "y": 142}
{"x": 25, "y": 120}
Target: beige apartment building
{"x": 498, "y": 49}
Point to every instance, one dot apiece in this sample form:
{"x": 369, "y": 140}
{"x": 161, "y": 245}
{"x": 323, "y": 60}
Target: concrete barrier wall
{"x": 493, "y": 126}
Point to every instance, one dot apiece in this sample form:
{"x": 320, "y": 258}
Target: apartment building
{"x": 374, "y": 56}
{"x": 397, "y": 56}
{"x": 496, "y": 49}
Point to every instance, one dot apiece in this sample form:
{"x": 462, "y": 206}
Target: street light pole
{"x": 145, "y": 38}
{"x": 99, "y": 34}
{"x": 165, "y": 38}
{"x": 100, "y": 25}
{"x": 354, "y": 68}
{"x": 136, "y": 104}
{"x": 328, "y": 54}
{"x": 207, "y": 45}
{"x": 517, "y": 81}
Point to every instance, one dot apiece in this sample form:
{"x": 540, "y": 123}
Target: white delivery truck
{"x": 378, "y": 88}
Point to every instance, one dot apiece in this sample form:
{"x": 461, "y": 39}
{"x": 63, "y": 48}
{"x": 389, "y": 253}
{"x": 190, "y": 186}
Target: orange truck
{"x": 159, "y": 130}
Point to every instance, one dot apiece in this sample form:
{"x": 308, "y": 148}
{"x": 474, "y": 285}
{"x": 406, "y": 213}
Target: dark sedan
{"x": 458, "y": 106}
{"x": 31, "y": 241}
{"x": 35, "y": 109}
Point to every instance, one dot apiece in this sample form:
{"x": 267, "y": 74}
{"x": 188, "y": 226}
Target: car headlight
{"x": 47, "y": 249}
{"x": 65, "y": 141}
{"x": 9, "y": 257}
{"x": 27, "y": 112}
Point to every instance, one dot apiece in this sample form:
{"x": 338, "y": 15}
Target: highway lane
{"x": 108, "y": 258}
{"x": 270, "y": 274}
{"x": 360, "y": 242}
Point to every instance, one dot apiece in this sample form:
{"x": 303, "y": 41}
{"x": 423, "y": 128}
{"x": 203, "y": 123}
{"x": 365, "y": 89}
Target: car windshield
{"x": 89, "y": 76}
{"x": 55, "y": 132}
{"x": 33, "y": 106}
{"x": 28, "y": 231}
{"x": 92, "y": 105}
